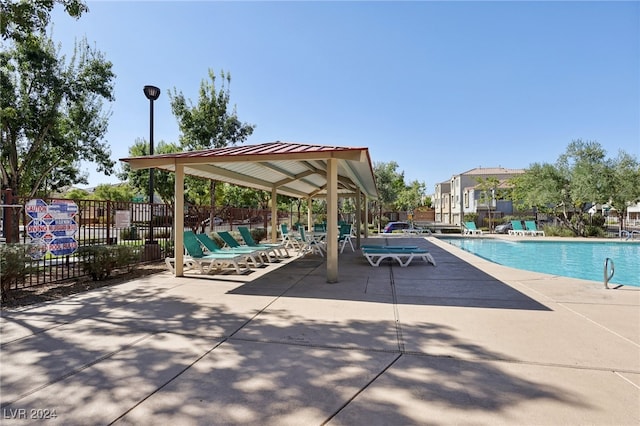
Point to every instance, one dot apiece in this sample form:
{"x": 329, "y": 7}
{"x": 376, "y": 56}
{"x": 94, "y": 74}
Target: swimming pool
{"x": 576, "y": 259}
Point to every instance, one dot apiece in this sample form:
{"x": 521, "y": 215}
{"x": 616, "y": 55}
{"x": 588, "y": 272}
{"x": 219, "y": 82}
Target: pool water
{"x": 576, "y": 259}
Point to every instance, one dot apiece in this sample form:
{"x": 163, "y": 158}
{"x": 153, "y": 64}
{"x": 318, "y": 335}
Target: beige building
{"x": 461, "y": 195}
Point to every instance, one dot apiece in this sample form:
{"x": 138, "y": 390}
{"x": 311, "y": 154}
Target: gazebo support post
{"x": 332, "y": 220}
{"x": 178, "y": 217}
{"x": 274, "y": 214}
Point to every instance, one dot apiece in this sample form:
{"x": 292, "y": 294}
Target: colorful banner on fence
{"x": 52, "y": 228}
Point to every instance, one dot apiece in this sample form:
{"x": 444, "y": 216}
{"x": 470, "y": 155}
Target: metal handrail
{"x": 607, "y": 276}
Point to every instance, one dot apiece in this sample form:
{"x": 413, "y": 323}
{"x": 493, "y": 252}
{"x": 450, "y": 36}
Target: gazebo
{"x": 293, "y": 169}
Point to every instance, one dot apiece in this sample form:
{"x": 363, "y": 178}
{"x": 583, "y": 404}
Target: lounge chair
{"x": 248, "y": 240}
{"x": 470, "y": 229}
{"x": 269, "y": 253}
{"x": 380, "y": 246}
{"x": 345, "y": 237}
{"x": 517, "y": 228}
{"x": 209, "y": 261}
{"x": 309, "y": 244}
{"x": 288, "y": 238}
{"x": 319, "y": 227}
{"x": 532, "y": 228}
{"x": 412, "y": 229}
{"x": 403, "y": 255}
{"x": 255, "y": 256}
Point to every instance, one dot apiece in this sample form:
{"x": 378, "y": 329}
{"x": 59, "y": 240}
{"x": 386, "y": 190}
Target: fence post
{"x": 8, "y": 216}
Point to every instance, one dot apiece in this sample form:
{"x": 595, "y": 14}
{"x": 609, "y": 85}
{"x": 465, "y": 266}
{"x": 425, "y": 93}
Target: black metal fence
{"x": 57, "y": 229}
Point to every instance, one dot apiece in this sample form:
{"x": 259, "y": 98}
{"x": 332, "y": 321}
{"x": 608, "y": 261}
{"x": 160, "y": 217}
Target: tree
{"x": 488, "y": 188}
{"x": 584, "y": 165}
{"x": 580, "y": 177}
{"x": 625, "y": 187}
{"x": 390, "y": 183}
{"x": 77, "y": 194}
{"x": 50, "y": 111}
{"x": 212, "y": 123}
{"x": 108, "y": 192}
{"x": 163, "y": 182}
{"x": 20, "y": 19}
{"x": 411, "y": 196}
{"x": 52, "y": 116}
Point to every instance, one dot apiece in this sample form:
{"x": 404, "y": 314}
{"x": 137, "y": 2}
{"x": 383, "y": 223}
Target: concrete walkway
{"x": 466, "y": 342}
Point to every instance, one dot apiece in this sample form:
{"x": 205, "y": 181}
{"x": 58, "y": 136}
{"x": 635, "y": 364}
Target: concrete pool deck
{"x": 466, "y": 342}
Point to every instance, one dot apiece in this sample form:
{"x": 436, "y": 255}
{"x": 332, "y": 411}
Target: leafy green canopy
{"x": 51, "y": 110}
{"x": 22, "y": 18}
{"x": 210, "y": 123}
{"x": 581, "y": 176}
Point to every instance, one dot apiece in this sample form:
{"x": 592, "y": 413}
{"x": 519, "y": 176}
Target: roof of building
{"x": 294, "y": 169}
{"x": 492, "y": 171}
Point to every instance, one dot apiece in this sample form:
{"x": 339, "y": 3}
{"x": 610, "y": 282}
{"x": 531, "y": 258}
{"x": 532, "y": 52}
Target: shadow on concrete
{"x": 453, "y": 282}
{"x": 147, "y": 355}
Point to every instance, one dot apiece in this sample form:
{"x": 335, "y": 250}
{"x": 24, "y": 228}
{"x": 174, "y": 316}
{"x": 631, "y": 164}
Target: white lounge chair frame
{"x": 471, "y": 231}
{"x": 207, "y": 263}
{"x": 534, "y": 231}
{"x": 403, "y": 256}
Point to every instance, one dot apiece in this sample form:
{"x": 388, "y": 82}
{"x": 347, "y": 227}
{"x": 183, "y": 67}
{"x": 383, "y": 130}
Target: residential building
{"x": 442, "y": 202}
{"x": 465, "y": 195}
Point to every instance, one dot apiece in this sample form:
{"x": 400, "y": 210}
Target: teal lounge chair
{"x": 517, "y": 228}
{"x": 250, "y": 254}
{"x": 288, "y": 238}
{"x": 319, "y": 227}
{"x": 269, "y": 253}
{"x": 345, "y": 237}
{"x": 309, "y": 244}
{"x": 248, "y": 240}
{"x": 532, "y": 228}
{"x": 470, "y": 229}
{"x": 213, "y": 260}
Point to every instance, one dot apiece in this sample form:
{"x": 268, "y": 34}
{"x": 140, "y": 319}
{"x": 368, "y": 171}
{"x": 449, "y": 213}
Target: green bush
{"x": 598, "y": 220}
{"x": 557, "y": 231}
{"x": 99, "y": 261}
{"x": 14, "y": 266}
{"x": 258, "y": 234}
{"x": 470, "y": 217}
{"x": 215, "y": 237}
{"x": 594, "y": 231}
{"x": 130, "y": 233}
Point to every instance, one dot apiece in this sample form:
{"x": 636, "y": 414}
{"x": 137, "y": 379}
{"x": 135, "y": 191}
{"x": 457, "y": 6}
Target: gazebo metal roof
{"x": 293, "y": 169}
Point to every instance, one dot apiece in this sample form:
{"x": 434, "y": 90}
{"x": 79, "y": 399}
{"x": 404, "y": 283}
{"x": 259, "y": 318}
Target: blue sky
{"x": 438, "y": 87}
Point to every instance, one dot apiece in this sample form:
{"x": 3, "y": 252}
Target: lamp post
{"x": 152, "y": 93}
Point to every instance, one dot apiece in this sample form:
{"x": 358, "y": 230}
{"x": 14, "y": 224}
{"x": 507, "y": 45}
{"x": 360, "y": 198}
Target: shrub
{"x": 470, "y": 217}
{"x": 594, "y": 231}
{"x": 99, "y": 261}
{"x": 557, "y": 231}
{"x": 14, "y": 261}
{"x": 130, "y": 233}
{"x": 258, "y": 234}
{"x": 598, "y": 220}
{"x": 215, "y": 237}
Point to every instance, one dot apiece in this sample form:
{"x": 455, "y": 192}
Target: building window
{"x": 466, "y": 199}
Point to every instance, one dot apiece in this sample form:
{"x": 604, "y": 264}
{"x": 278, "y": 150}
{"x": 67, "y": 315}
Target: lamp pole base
{"x": 151, "y": 251}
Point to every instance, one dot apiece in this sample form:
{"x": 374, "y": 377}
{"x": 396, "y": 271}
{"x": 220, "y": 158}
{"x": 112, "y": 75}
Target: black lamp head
{"x": 151, "y": 92}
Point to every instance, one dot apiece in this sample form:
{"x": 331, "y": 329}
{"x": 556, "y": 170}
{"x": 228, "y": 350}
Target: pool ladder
{"x": 609, "y": 270}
